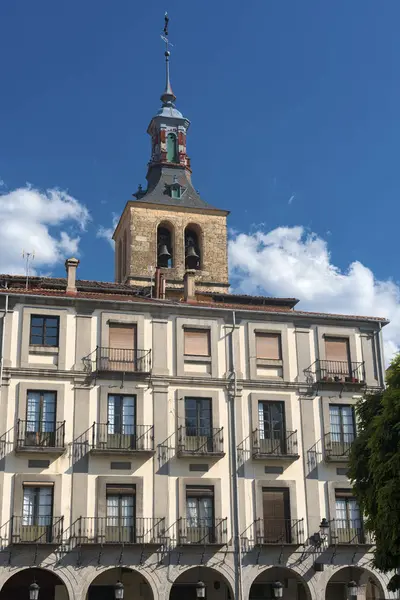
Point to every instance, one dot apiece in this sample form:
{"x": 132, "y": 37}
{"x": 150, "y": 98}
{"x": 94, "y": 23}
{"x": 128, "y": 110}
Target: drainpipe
{"x": 233, "y": 468}
{"x": 381, "y": 356}
{"x": 2, "y": 344}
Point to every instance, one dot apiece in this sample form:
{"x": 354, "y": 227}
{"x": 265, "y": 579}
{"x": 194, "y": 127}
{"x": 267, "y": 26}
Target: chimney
{"x": 189, "y": 285}
{"x": 71, "y": 264}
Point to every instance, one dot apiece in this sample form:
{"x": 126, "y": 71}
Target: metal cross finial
{"x": 165, "y": 36}
{"x": 168, "y": 97}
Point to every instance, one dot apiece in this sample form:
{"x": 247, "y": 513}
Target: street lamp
{"x": 118, "y": 590}
{"x": 324, "y": 525}
{"x": 352, "y": 589}
{"x": 277, "y": 588}
{"x": 34, "y": 591}
{"x": 200, "y": 590}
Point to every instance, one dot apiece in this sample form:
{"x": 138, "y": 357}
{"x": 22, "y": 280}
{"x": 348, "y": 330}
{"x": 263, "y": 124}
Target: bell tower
{"x": 169, "y": 225}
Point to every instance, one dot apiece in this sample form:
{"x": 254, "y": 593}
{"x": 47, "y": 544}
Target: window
{"x": 121, "y": 509}
{"x": 121, "y": 421}
{"x": 44, "y": 331}
{"x": 37, "y": 513}
{"x": 172, "y": 148}
{"x": 337, "y": 364}
{"x": 349, "y": 525}
{"x": 121, "y": 354}
{"x": 197, "y": 342}
{"x": 342, "y": 426}
{"x": 40, "y": 418}
{"x": 276, "y": 515}
{"x": 271, "y": 423}
{"x": 198, "y": 425}
{"x": 200, "y": 514}
{"x": 268, "y": 346}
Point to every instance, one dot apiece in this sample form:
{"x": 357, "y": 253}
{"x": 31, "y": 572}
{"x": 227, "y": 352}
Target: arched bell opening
{"x": 172, "y": 148}
{"x": 192, "y": 247}
{"x": 165, "y": 246}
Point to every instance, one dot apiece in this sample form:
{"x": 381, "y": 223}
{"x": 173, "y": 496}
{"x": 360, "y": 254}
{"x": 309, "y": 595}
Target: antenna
{"x": 29, "y": 257}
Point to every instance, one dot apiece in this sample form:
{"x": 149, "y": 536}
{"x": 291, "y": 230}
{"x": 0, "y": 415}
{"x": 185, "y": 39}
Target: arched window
{"x": 119, "y": 261}
{"x": 192, "y": 249}
{"x": 164, "y": 246}
{"x": 172, "y": 148}
{"x": 124, "y": 256}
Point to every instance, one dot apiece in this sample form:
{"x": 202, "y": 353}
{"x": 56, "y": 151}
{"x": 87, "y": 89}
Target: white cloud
{"x": 289, "y": 261}
{"x": 46, "y": 222}
{"x": 106, "y": 233}
{"x": 292, "y": 197}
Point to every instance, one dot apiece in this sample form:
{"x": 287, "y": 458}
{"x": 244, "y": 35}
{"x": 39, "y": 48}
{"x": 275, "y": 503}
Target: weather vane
{"x": 165, "y": 36}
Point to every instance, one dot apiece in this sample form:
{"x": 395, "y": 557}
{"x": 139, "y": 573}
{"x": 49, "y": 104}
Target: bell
{"x": 192, "y": 258}
{"x": 191, "y": 253}
{"x": 163, "y": 256}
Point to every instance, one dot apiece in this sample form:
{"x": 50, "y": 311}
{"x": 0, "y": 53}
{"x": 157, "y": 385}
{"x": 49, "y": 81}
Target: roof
{"x": 116, "y": 292}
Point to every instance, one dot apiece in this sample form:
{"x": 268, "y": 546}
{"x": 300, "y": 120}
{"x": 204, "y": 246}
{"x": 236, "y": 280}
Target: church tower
{"x": 169, "y": 225}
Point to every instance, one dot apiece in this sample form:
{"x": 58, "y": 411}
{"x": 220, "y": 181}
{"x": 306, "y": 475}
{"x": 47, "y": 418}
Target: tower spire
{"x": 168, "y": 97}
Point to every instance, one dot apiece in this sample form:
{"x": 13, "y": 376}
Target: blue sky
{"x": 294, "y": 110}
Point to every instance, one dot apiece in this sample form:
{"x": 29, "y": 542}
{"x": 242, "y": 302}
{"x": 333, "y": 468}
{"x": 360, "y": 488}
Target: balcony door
{"x": 121, "y": 509}
{"x": 342, "y": 427}
{"x": 121, "y": 354}
{"x": 349, "y": 524}
{"x": 337, "y": 363}
{"x": 121, "y": 422}
{"x": 276, "y": 516}
{"x": 37, "y": 513}
{"x": 200, "y": 514}
{"x": 198, "y": 425}
{"x": 271, "y": 424}
{"x": 40, "y": 419}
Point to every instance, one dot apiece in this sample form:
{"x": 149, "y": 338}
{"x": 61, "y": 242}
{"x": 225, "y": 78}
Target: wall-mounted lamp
{"x": 277, "y": 588}
{"x": 34, "y": 591}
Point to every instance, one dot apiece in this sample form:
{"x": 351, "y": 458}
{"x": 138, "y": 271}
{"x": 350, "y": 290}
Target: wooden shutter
{"x": 122, "y": 336}
{"x": 268, "y": 345}
{"x": 337, "y": 349}
{"x": 275, "y": 503}
{"x": 197, "y": 342}
{"x": 199, "y": 491}
{"x": 124, "y": 490}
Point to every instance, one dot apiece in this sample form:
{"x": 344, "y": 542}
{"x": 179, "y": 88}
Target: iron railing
{"x": 118, "y": 530}
{"x": 337, "y": 446}
{"x": 350, "y": 532}
{"x": 135, "y": 438}
{"x": 200, "y": 440}
{"x": 40, "y": 434}
{"x": 336, "y": 371}
{"x": 41, "y": 530}
{"x": 279, "y": 443}
{"x": 126, "y": 360}
{"x": 202, "y": 531}
{"x": 279, "y": 531}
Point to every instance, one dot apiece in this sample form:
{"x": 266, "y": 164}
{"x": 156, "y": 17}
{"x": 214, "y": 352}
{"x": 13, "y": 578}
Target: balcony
{"x": 282, "y": 445}
{"x": 118, "y": 360}
{"x": 337, "y": 446}
{"x": 134, "y": 439}
{"x": 271, "y": 532}
{"x": 340, "y": 372}
{"x": 350, "y": 532}
{"x": 118, "y": 530}
{"x": 198, "y": 441}
{"x": 202, "y": 532}
{"x": 40, "y": 436}
{"x": 44, "y": 530}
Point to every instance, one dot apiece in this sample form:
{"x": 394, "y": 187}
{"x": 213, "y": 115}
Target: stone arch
{"x": 211, "y": 575}
{"x": 289, "y": 576}
{"x": 165, "y": 234}
{"x": 193, "y": 237}
{"x": 370, "y": 583}
{"x": 108, "y": 576}
{"x": 22, "y": 577}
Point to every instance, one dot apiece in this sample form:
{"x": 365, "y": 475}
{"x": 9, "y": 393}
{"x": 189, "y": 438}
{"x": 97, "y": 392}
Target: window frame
{"x": 202, "y": 330}
{"x": 253, "y": 362}
{"x": 43, "y": 334}
{"x": 259, "y": 334}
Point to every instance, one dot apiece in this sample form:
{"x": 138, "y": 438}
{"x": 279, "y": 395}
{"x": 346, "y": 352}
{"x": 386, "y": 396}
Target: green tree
{"x": 375, "y": 470}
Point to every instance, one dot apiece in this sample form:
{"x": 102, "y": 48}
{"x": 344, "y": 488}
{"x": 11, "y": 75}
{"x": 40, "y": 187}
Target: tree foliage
{"x": 375, "y": 470}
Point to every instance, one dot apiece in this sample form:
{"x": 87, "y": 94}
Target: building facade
{"x": 160, "y": 430}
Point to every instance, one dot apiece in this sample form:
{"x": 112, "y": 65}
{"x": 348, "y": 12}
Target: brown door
{"x": 276, "y": 528}
{"x": 121, "y": 354}
{"x": 337, "y": 364}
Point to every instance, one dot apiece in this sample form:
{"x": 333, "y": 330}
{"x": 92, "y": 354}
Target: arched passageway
{"x": 294, "y": 588}
{"x": 368, "y": 586}
{"x": 50, "y": 585}
{"x": 135, "y": 585}
{"x": 216, "y": 586}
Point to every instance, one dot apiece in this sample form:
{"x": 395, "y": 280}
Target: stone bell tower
{"x": 169, "y": 225}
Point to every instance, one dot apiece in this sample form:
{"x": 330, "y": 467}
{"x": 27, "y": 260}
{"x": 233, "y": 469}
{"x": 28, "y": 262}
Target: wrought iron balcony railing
{"x": 39, "y": 530}
{"x": 336, "y": 371}
{"x": 122, "y": 360}
{"x": 40, "y": 434}
{"x": 279, "y": 531}
{"x": 194, "y": 441}
{"x": 118, "y": 530}
{"x": 202, "y": 531}
{"x": 130, "y": 438}
{"x": 337, "y": 445}
{"x": 349, "y": 532}
{"x": 279, "y": 444}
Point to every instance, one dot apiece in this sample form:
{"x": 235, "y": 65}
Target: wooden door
{"x": 121, "y": 353}
{"x": 277, "y": 528}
